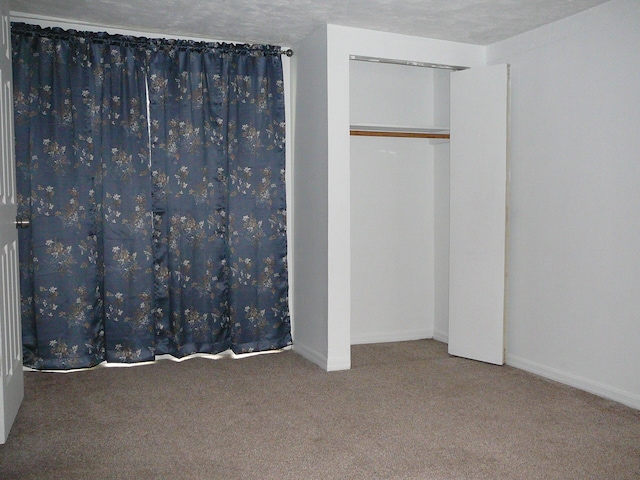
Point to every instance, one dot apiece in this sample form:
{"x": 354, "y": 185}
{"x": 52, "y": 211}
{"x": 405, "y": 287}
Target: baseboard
{"x": 441, "y": 336}
{"x": 596, "y": 388}
{"x": 384, "y": 337}
{"x": 311, "y": 355}
{"x": 340, "y": 363}
{"x": 329, "y": 364}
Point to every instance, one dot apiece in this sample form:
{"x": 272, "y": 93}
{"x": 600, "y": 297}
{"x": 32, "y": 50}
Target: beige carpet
{"x": 404, "y": 411}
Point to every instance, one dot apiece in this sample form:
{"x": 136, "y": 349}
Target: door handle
{"x": 23, "y": 223}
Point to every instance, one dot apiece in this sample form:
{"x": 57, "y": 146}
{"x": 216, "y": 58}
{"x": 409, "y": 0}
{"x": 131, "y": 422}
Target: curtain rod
{"x": 410, "y": 63}
{"x": 95, "y": 32}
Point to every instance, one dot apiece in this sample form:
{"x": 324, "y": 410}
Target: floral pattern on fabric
{"x": 158, "y": 219}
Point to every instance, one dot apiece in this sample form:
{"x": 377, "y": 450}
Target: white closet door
{"x": 478, "y": 179}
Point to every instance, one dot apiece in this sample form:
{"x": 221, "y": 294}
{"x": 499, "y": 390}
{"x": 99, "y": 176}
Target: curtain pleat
{"x": 143, "y": 245}
{"x": 189, "y": 205}
{"x": 125, "y": 223}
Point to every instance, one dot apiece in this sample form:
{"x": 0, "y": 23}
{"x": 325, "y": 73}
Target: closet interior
{"x": 428, "y": 208}
{"x": 399, "y": 160}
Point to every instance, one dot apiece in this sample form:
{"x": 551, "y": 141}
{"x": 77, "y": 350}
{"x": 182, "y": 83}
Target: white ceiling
{"x": 285, "y": 22}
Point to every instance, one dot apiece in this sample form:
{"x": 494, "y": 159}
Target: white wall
{"x": 388, "y": 94}
{"x": 308, "y": 251}
{"x": 441, "y": 213}
{"x": 392, "y": 239}
{"x": 441, "y": 242}
{"x": 574, "y": 246}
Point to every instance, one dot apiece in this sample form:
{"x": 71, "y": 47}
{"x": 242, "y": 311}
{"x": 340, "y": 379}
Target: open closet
{"x": 419, "y": 216}
{"x": 399, "y": 127}
{"x": 399, "y": 232}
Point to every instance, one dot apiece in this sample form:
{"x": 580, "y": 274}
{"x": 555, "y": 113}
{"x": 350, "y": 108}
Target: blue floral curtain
{"x": 217, "y": 135}
{"x": 141, "y": 245}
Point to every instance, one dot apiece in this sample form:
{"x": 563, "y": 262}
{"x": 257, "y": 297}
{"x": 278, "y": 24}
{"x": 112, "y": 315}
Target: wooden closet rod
{"x": 367, "y": 133}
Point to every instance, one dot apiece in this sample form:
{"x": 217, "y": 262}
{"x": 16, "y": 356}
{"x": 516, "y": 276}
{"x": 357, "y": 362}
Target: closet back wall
{"x": 392, "y": 205}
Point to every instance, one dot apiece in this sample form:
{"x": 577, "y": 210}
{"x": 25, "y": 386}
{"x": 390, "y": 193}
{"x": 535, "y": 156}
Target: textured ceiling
{"x": 285, "y": 22}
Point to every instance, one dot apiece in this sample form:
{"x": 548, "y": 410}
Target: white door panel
{"x": 478, "y": 180}
{"x": 11, "y": 376}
